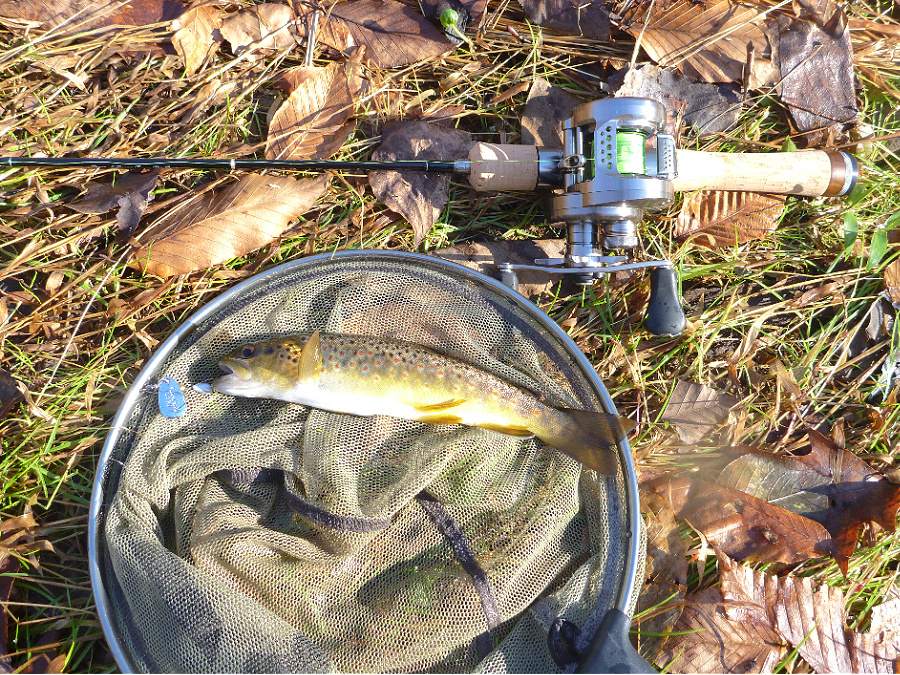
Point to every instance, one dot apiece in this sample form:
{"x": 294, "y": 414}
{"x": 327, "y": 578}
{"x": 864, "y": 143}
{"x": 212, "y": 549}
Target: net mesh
{"x": 257, "y": 535}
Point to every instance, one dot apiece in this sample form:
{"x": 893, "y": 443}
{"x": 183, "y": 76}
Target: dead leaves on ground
{"x": 718, "y": 218}
{"x": 749, "y": 624}
{"x": 83, "y": 15}
{"x": 808, "y": 60}
{"x": 418, "y": 195}
{"x": 313, "y": 122}
{"x": 213, "y": 228}
{"x": 392, "y": 33}
{"x": 767, "y": 507}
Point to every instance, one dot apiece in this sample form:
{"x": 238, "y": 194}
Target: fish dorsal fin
{"x": 311, "y": 358}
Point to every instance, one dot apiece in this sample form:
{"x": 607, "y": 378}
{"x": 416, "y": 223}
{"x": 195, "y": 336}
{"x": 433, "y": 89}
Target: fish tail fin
{"x": 585, "y": 436}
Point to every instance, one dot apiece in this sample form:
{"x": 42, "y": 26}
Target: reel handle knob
{"x": 665, "y": 315}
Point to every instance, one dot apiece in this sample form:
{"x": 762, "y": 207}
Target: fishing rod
{"x": 233, "y": 164}
{"x": 615, "y": 163}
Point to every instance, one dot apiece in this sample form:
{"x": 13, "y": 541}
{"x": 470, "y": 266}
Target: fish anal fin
{"x": 443, "y": 405}
{"x": 509, "y": 430}
{"x": 438, "y": 418}
{"x": 311, "y": 358}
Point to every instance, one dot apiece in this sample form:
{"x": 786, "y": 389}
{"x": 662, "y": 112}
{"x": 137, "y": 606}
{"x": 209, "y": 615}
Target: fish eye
{"x": 247, "y": 352}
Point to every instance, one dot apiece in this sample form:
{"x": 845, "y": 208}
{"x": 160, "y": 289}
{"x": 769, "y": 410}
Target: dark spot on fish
{"x": 269, "y": 350}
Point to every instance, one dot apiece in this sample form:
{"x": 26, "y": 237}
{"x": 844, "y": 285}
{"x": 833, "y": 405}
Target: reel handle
{"x": 665, "y": 315}
{"x": 813, "y": 173}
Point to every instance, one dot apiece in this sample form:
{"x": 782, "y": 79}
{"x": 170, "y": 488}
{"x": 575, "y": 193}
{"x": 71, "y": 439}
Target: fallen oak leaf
{"x": 743, "y": 526}
{"x": 817, "y": 81}
{"x": 418, "y": 195}
{"x": 392, "y": 33}
{"x": 218, "y": 227}
{"x": 313, "y": 122}
{"x": 717, "y": 218}
{"x": 828, "y": 485}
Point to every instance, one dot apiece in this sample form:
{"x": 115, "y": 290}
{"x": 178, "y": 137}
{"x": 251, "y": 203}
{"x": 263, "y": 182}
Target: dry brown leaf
{"x": 545, "y": 110}
{"x": 708, "y": 42}
{"x": 707, "y": 107}
{"x": 829, "y": 485}
{"x": 696, "y": 410}
{"x": 588, "y": 19}
{"x": 82, "y": 15}
{"x": 218, "y": 227}
{"x": 892, "y": 281}
{"x": 392, "y": 33}
{"x": 705, "y": 640}
{"x": 260, "y": 30}
{"x": 418, "y": 195}
{"x": 741, "y": 525}
{"x": 130, "y": 194}
{"x": 817, "y": 80}
{"x": 10, "y": 395}
{"x": 313, "y": 122}
{"x": 194, "y": 39}
{"x": 791, "y": 607}
{"x": 814, "y": 618}
{"x": 719, "y": 218}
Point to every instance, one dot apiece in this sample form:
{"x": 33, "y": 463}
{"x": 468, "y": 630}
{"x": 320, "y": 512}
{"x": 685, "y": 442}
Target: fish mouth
{"x": 236, "y": 371}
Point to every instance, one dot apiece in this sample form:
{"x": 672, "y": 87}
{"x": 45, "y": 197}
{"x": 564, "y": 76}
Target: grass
{"x": 69, "y": 305}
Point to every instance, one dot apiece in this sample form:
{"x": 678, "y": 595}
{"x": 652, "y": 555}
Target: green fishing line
{"x": 630, "y": 152}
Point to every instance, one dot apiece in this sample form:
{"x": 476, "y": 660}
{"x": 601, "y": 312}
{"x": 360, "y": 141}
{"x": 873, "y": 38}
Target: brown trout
{"x": 372, "y": 376}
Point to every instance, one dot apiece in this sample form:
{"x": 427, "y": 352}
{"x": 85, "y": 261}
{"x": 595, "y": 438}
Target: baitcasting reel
{"x": 615, "y": 164}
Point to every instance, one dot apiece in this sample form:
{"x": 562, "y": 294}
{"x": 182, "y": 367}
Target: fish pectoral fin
{"x": 440, "y": 419}
{"x": 311, "y": 358}
{"x": 509, "y": 430}
{"x": 437, "y": 407}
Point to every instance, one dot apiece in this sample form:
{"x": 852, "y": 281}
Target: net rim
{"x": 628, "y": 580}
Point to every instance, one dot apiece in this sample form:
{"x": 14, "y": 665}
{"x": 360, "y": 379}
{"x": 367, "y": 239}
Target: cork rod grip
{"x": 503, "y": 167}
{"x": 812, "y": 173}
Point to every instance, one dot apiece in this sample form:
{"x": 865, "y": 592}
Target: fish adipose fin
{"x": 311, "y": 358}
{"x": 437, "y": 407}
{"x": 585, "y": 436}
